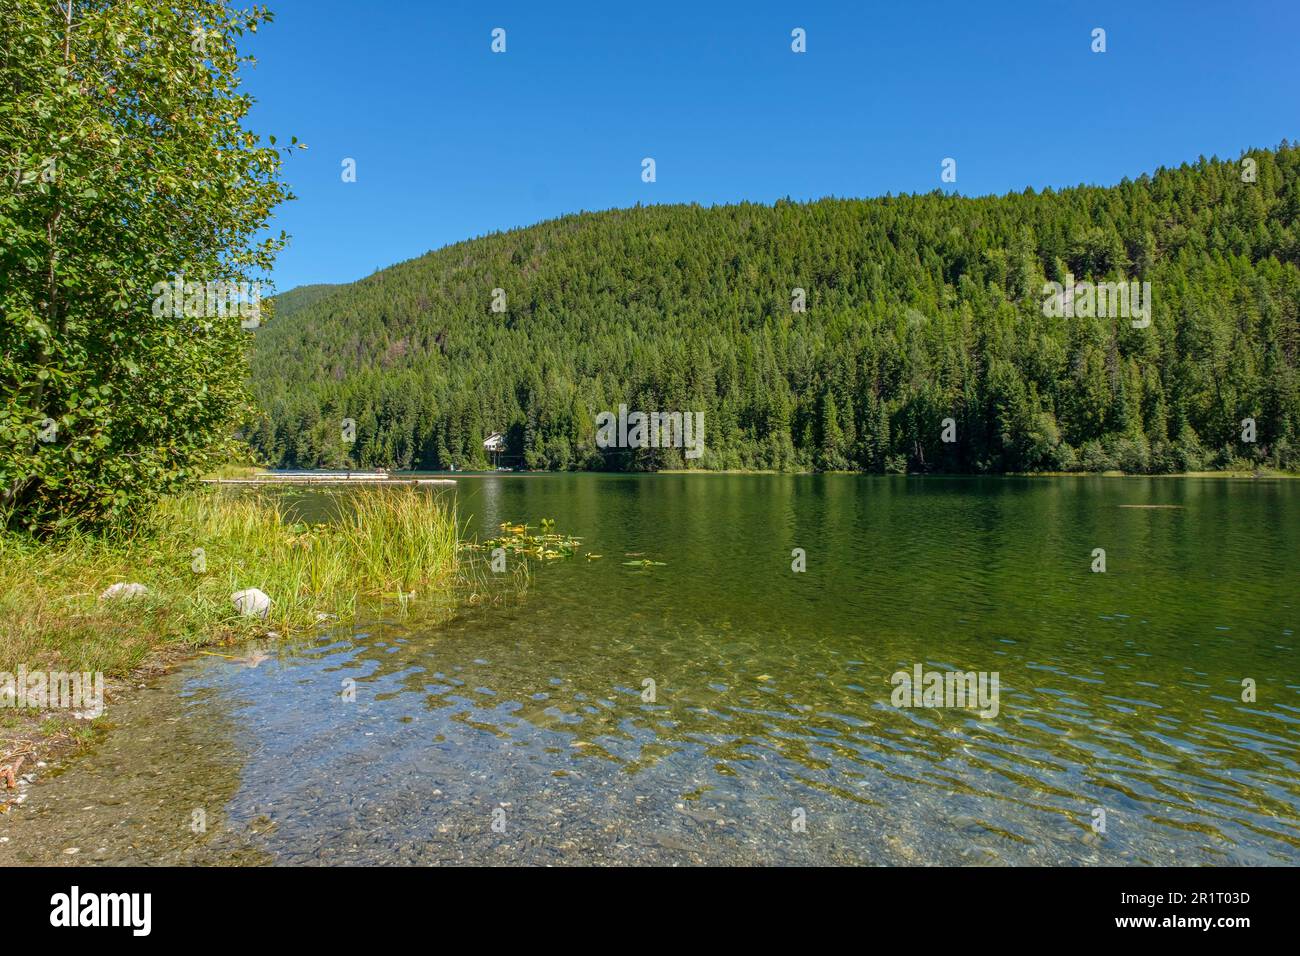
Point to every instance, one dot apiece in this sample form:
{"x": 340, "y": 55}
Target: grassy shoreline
{"x": 191, "y": 552}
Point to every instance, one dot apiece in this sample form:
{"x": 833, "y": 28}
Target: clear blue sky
{"x": 452, "y": 141}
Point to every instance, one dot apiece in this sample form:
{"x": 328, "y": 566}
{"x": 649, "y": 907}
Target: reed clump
{"x": 387, "y": 550}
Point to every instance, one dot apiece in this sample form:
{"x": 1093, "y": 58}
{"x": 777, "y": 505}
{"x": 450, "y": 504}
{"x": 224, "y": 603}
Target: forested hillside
{"x": 289, "y": 304}
{"x": 919, "y": 308}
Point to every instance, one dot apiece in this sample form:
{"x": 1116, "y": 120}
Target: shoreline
{"x": 1244, "y": 475}
{"x": 70, "y": 622}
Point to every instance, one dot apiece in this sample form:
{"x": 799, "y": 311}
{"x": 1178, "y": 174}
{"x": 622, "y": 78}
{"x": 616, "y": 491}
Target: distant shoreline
{"x": 236, "y": 475}
{"x": 871, "y": 474}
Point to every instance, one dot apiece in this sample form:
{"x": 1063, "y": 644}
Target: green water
{"x": 772, "y": 737}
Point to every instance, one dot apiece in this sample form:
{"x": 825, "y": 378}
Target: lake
{"x": 719, "y": 707}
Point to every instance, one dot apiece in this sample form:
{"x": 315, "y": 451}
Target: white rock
{"x": 251, "y": 602}
{"x": 124, "y": 591}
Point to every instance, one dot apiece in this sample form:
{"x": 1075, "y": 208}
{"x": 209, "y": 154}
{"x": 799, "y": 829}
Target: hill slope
{"x": 290, "y": 303}
{"x": 919, "y": 309}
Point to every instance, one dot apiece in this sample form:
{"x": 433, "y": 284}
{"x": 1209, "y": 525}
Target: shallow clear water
{"x": 1120, "y": 691}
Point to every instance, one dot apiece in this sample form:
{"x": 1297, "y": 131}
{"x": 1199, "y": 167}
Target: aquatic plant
{"x": 515, "y": 539}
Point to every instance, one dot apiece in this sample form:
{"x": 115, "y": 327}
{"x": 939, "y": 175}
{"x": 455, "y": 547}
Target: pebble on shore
{"x": 124, "y": 591}
{"x": 251, "y": 602}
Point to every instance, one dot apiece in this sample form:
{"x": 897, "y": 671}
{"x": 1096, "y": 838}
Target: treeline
{"x": 919, "y": 309}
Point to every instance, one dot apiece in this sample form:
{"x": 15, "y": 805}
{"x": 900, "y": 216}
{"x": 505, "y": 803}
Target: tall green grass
{"x": 387, "y": 546}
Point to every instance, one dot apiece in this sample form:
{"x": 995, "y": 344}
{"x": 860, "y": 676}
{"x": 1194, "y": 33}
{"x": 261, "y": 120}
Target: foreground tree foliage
{"x": 125, "y": 164}
{"x": 919, "y": 308}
